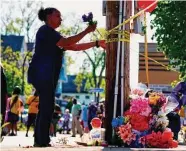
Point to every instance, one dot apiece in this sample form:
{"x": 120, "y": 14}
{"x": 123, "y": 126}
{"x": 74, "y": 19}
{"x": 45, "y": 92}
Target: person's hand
{"x": 102, "y": 44}
{"x": 77, "y": 117}
{"x": 91, "y": 28}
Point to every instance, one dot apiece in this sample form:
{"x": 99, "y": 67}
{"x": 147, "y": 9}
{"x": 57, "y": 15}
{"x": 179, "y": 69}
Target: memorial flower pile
{"x": 145, "y": 123}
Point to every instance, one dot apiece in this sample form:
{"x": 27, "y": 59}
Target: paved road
{"x": 18, "y": 143}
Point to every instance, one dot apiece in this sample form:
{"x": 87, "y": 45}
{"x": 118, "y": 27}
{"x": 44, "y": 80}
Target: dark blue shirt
{"x": 47, "y": 58}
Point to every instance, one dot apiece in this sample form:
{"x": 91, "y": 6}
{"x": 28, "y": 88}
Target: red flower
{"x": 161, "y": 140}
{"x": 138, "y": 122}
{"x": 167, "y": 135}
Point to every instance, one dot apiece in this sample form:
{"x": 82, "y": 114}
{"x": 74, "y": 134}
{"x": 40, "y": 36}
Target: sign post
{"x": 96, "y": 91}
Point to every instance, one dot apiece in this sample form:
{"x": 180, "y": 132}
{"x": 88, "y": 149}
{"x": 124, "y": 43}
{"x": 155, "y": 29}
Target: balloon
{"x": 142, "y": 4}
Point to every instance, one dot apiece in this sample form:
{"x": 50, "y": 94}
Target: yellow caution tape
{"x": 116, "y": 40}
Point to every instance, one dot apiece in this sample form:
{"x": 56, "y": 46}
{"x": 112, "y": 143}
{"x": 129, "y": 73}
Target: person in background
{"x": 55, "y": 118}
{"x": 6, "y": 129}
{"x": 44, "y": 69}
{"x": 16, "y": 106}
{"x": 66, "y": 117}
{"x": 84, "y": 117}
{"x": 100, "y": 113}
{"x": 32, "y": 102}
{"x": 76, "y": 112}
{"x": 92, "y": 113}
{"x": 4, "y": 97}
{"x": 179, "y": 93}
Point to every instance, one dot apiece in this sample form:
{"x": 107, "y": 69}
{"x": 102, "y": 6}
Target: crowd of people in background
{"x": 79, "y": 114}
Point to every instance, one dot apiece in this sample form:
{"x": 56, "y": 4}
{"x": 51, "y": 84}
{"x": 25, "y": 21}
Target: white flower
{"x": 161, "y": 114}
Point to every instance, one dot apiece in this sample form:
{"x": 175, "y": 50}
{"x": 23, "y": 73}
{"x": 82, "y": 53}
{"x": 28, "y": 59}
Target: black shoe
{"x": 73, "y": 136}
{"x": 26, "y": 135}
{"x": 42, "y": 145}
{"x": 12, "y": 134}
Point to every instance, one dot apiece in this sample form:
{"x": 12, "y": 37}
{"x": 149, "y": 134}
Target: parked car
{"x": 60, "y": 124}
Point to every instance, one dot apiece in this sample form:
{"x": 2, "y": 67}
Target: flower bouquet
{"x": 145, "y": 123}
{"x": 89, "y": 18}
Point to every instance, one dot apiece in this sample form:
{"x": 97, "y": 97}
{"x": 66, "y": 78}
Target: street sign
{"x": 96, "y": 90}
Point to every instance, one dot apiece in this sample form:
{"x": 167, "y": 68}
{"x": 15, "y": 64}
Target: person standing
{"x": 55, "y": 118}
{"x": 66, "y": 121}
{"x": 76, "y": 112}
{"x": 84, "y": 117}
{"x": 3, "y": 95}
{"x": 16, "y": 106}
{"x": 32, "y": 102}
{"x": 179, "y": 93}
{"x": 3, "y": 98}
{"x": 44, "y": 69}
{"x": 92, "y": 113}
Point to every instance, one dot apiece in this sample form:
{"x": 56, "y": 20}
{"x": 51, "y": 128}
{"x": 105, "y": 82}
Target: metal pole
{"x": 122, "y": 62}
{"x": 146, "y": 50}
{"x": 117, "y": 65}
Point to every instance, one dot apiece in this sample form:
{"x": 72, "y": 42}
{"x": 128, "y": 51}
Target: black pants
{"x": 174, "y": 123}
{"x": 31, "y": 119}
{"x": 54, "y": 122}
{"x": 45, "y": 78}
{"x": 46, "y": 108}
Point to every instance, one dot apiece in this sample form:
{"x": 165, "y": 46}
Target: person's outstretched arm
{"x": 74, "y": 39}
{"x": 84, "y": 46}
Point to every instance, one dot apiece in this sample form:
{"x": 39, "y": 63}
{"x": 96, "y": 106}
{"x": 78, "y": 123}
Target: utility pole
{"x": 112, "y": 9}
{"x": 112, "y": 20}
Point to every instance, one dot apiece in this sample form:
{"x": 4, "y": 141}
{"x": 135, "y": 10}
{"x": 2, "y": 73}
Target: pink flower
{"x": 125, "y": 132}
{"x": 140, "y": 106}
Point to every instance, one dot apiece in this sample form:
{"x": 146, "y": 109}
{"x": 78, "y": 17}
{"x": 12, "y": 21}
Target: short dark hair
{"x": 74, "y": 101}
{"x": 17, "y": 90}
{"x": 42, "y": 14}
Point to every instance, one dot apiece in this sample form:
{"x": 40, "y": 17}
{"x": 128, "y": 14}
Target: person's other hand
{"x": 91, "y": 28}
{"x": 102, "y": 44}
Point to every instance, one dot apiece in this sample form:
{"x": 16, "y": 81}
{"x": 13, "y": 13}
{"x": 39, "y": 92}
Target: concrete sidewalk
{"x": 20, "y": 142}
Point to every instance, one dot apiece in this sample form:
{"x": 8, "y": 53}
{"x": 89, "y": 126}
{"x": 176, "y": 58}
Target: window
{"x": 87, "y": 97}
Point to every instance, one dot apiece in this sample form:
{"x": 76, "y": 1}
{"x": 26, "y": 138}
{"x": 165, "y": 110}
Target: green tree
{"x": 92, "y": 71}
{"x": 170, "y": 23}
{"x": 23, "y": 22}
{"x": 12, "y": 63}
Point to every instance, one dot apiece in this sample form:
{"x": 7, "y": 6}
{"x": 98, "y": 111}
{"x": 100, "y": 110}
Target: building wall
{"x": 159, "y": 77}
{"x": 135, "y": 39}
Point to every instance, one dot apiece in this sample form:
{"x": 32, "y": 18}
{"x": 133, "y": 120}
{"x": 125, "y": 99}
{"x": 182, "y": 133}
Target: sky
{"x": 79, "y": 7}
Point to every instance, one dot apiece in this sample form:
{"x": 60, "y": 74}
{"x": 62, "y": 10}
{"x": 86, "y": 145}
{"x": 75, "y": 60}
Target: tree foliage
{"x": 23, "y": 22}
{"x": 170, "y": 23}
{"x": 93, "y": 65}
{"x": 12, "y": 63}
